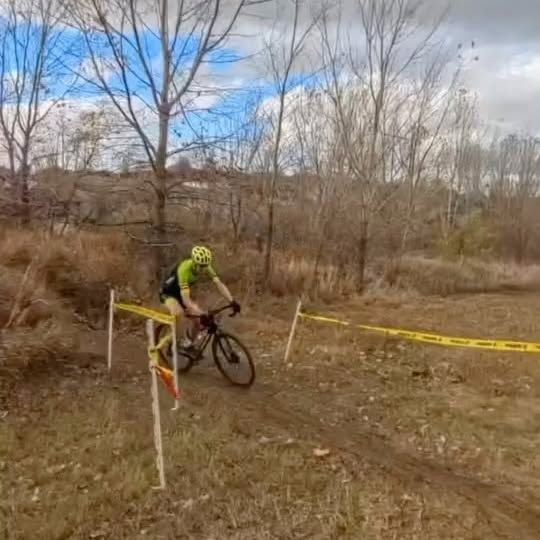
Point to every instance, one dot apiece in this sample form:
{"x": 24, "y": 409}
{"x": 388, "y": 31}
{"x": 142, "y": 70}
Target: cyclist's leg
{"x": 176, "y": 310}
{"x": 195, "y": 325}
{"x": 173, "y": 305}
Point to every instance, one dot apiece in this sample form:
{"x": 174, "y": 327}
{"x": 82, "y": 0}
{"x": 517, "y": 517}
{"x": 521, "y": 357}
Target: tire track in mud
{"x": 508, "y": 515}
{"x": 498, "y": 506}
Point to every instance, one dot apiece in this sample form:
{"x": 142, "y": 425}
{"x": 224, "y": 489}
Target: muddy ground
{"x": 357, "y": 437}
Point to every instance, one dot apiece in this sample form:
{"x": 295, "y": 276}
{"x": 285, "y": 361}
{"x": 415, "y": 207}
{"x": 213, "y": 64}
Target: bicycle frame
{"x": 212, "y": 330}
{"x": 201, "y": 348}
{"x": 232, "y": 349}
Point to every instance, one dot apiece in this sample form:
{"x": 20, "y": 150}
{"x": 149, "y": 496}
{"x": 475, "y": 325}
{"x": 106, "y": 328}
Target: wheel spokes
{"x": 234, "y": 361}
{"x": 231, "y": 355}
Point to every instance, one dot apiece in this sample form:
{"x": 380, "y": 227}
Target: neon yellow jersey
{"x": 188, "y": 274}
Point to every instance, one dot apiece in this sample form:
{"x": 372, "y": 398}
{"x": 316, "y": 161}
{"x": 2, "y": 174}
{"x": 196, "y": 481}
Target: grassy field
{"x": 357, "y": 437}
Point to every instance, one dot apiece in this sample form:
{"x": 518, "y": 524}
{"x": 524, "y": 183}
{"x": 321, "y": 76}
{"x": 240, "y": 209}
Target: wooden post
{"x": 155, "y": 410}
{"x": 111, "y": 330}
{"x": 175, "y": 362}
{"x": 293, "y": 330}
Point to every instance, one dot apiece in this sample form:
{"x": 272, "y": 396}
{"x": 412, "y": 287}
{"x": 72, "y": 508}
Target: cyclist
{"x": 175, "y": 291}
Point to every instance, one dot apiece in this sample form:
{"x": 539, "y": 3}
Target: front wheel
{"x": 185, "y": 362}
{"x": 233, "y": 359}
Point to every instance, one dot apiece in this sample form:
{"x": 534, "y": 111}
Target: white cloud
{"x": 506, "y": 75}
{"x": 508, "y": 84}
{"x": 506, "y": 42}
{"x": 105, "y": 67}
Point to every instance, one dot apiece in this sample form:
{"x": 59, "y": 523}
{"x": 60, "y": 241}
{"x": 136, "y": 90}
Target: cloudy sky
{"x": 507, "y": 41}
{"x": 506, "y": 35}
{"x": 505, "y": 75}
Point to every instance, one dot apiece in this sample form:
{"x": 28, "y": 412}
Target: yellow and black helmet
{"x": 201, "y": 255}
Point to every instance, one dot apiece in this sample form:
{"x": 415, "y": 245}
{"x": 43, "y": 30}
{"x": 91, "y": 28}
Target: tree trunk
{"x": 210, "y": 205}
{"x": 362, "y": 255}
{"x": 273, "y": 182}
{"x": 158, "y": 223}
{"x": 161, "y": 174}
{"x": 158, "y": 217}
{"x": 235, "y": 211}
{"x": 160, "y": 191}
{"x": 520, "y": 244}
{"x": 317, "y": 263}
{"x": 259, "y": 243}
{"x": 269, "y": 236}
{"x": 13, "y": 187}
{"x": 24, "y": 180}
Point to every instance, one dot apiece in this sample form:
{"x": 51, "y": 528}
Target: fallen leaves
{"x": 321, "y": 452}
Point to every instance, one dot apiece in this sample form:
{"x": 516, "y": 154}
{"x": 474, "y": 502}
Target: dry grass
{"x": 453, "y": 400}
{"x": 424, "y": 442}
{"x": 80, "y": 267}
{"x": 294, "y": 275}
{"x": 50, "y": 284}
{"x": 64, "y": 280}
{"x": 229, "y": 477}
{"x": 443, "y": 277}
{"x": 519, "y": 277}
{"x": 77, "y": 263}
{"x": 39, "y": 347}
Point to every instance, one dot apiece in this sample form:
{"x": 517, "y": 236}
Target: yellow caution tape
{"x": 166, "y": 374}
{"x": 153, "y": 352}
{"x": 165, "y": 340}
{"x": 436, "y": 339}
{"x": 158, "y": 316}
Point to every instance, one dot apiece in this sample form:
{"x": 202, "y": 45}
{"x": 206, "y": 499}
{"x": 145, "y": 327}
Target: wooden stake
{"x": 175, "y": 362}
{"x": 156, "y": 411}
{"x": 293, "y": 330}
{"x": 111, "y": 329}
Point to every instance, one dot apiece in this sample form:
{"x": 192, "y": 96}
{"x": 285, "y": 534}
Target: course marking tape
{"x": 437, "y": 339}
{"x": 158, "y": 316}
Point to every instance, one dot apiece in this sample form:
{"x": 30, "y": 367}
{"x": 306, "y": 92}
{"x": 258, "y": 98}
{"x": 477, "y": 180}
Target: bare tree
{"x": 74, "y": 138}
{"x": 240, "y": 148}
{"x": 515, "y": 183}
{"x": 242, "y": 136}
{"x": 420, "y": 139}
{"x": 152, "y": 92}
{"x": 32, "y": 80}
{"x": 86, "y": 143}
{"x": 461, "y": 132}
{"x": 365, "y": 84}
{"x": 281, "y": 54}
{"x": 319, "y": 159}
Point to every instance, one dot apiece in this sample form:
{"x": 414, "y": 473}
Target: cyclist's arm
{"x": 183, "y": 282}
{"x": 191, "y": 306}
{"x": 221, "y": 287}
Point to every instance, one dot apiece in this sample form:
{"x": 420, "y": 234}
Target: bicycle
{"x": 223, "y": 343}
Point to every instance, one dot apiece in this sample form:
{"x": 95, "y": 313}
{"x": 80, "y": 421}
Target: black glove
{"x": 235, "y": 307}
{"x": 206, "y": 320}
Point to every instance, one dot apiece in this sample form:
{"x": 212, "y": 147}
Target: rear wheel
{"x": 233, "y": 359}
{"x": 185, "y": 361}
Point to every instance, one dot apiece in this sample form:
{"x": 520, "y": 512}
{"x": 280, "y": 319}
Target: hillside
{"x": 358, "y": 436}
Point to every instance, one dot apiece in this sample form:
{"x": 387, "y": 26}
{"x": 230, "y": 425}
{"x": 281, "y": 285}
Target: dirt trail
{"x": 508, "y": 515}
{"x": 267, "y": 403}
{"x": 507, "y": 512}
